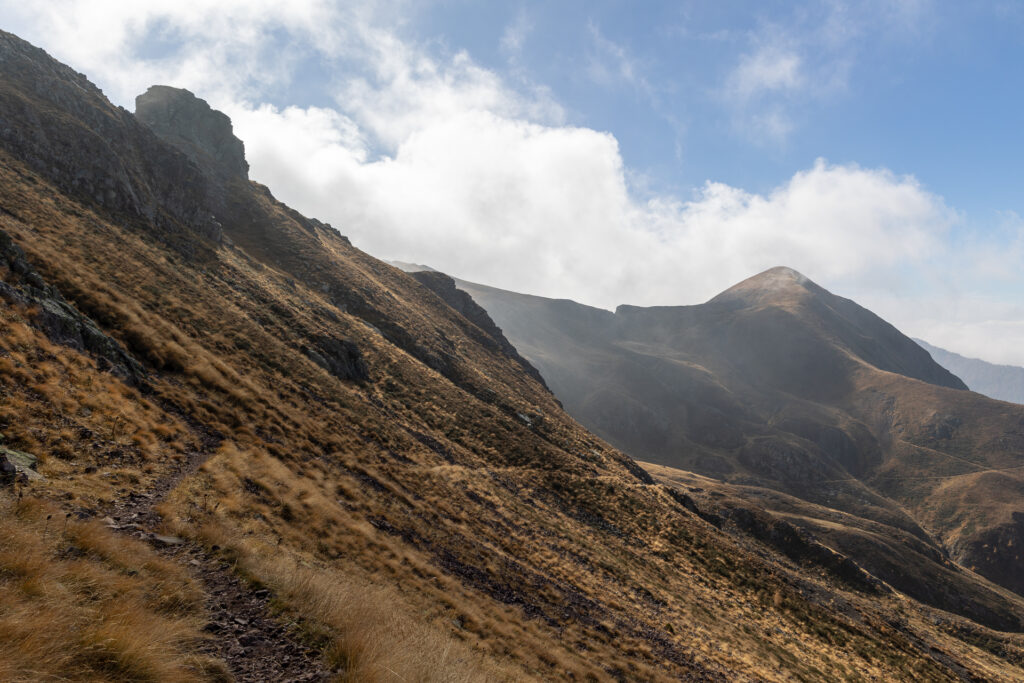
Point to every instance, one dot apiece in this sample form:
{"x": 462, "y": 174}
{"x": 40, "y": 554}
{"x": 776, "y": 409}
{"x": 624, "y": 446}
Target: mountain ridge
{"x": 330, "y": 470}
{"x": 998, "y": 381}
{"x": 859, "y": 331}
{"x": 778, "y": 384}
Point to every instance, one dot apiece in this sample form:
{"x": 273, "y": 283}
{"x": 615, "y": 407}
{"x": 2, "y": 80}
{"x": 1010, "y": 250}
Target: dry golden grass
{"x": 58, "y": 406}
{"x": 80, "y": 603}
{"x": 506, "y": 543}
{"x": 369, "y": 630}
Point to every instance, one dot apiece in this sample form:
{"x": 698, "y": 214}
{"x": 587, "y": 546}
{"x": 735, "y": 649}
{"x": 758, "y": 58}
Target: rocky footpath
{"x": 244, "y": 630}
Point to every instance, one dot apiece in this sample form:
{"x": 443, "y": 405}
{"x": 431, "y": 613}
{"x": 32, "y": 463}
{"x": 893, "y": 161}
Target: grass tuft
{"x": 82, "y": 603}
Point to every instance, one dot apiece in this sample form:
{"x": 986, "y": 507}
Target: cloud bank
{"x": 423, "y": 155}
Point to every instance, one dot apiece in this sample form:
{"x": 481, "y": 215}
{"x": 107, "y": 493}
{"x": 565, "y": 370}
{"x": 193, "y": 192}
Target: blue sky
{"x": 934, "y": 91}
{"x": 915, "y": 88}
{"x": 613, "y": 152}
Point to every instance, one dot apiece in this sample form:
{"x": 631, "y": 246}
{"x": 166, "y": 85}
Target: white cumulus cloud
{"x": 424, "y": 155}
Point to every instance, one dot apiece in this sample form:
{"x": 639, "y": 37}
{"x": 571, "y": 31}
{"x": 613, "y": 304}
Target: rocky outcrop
{"x": 340, "y": 357}
{"x": 800, "y": 546}
{"x": 275, "y": 234}
{"x": 57, "y": 318}
{"x": 16, "y": 465}
{"x": 191, "y": 125}
{"x": 60, "y": 125}
{"x": 779, "y": 460}
{"x": 205, "y": 135}
{"x": 996, "y": 553}
{"x": 444, "y": 286}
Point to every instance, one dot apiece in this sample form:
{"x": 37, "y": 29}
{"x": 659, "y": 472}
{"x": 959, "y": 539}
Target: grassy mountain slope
{"x": 778, "y": 384}
{"x": 335, "y": 461}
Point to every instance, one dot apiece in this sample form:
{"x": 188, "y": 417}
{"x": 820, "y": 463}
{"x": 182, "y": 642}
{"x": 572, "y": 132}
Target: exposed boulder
{"x": 7, "y": 470}
{"x": 16, "y": 463}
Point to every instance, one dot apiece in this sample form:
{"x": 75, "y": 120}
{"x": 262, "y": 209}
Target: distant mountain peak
{"x": 193, "y": 126}
{"x": 781, "y": 273}
{"x": 774, "y": 285}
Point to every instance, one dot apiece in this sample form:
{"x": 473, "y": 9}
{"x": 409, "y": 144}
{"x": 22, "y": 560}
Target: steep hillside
{"x": 777, "y": 384}
{"x": 1001, "y": 382}
{"x": 270, "y": 456}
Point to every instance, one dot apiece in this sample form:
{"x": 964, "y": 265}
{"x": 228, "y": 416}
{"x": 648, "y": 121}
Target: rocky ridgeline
{"x": 176, "y": 165}
{"x": 62, "y": 126}
{"x": 444, "y": 286}
{"x": 190, "y": 125}
{"x": 178, "y": 169}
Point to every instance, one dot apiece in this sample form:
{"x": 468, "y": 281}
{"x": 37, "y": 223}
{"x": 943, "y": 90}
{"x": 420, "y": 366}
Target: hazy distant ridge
{"x": 1003, "y": 382}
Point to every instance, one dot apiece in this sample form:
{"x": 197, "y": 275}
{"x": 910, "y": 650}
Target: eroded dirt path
{"x": 242, "y": 630}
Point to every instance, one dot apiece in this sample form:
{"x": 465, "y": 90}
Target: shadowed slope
{"x": 777, "y": 383}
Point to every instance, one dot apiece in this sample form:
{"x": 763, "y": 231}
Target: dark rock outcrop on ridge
{"x": 252, "y": 219}
{"x": 444, "y": 287}
{"x": 191, "y": 125}
{"x": 340, "y": 357}
{"x": 63, "y": 127}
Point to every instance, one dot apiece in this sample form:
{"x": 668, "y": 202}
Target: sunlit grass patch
{"x": 82, "y": 603}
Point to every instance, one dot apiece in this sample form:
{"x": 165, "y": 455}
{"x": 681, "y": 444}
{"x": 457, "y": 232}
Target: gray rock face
{"x": 340, "y": 357}
{"x": 187, "y": 122}
{"x": 59, "y": 320}
{"x": 61, "y": 126}
{"x": 8, "y": 471}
